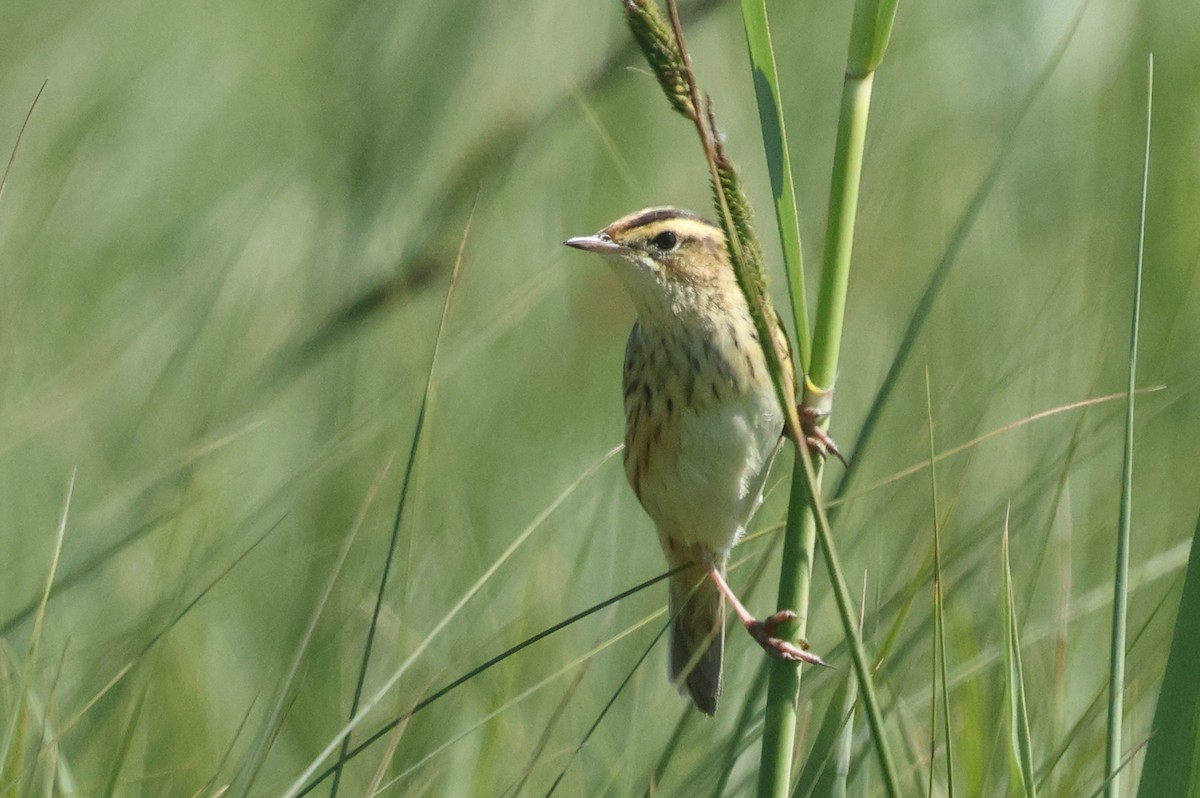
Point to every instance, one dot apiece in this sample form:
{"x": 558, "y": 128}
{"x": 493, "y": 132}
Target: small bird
{"x": 702, "y": 424}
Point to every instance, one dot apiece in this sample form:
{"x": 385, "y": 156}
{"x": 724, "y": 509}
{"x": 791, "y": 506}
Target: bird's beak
{"x": 600, "y": 244}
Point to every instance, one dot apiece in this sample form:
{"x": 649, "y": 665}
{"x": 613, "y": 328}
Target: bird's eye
{"x": 665, "y": 241}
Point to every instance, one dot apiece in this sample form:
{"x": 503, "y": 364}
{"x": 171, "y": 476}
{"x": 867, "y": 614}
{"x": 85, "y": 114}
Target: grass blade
{"x": 11, "y": 762}
{"x": 121, "y": 753}
{"x": 604, "y": 711}
{"x": 800, "y": 540}
{"x": 12, "y": 157}
{"x": 310, "y": 779}
{"x": 1172, "y": 765}
{"x": 1020, "y": 745}
{"x": 394, "y": 538}
{"x": 779, "y": 165}
{"x": 940, "y": 670}
{"x": 1116, "y": 694}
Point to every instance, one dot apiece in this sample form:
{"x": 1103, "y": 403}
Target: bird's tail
{"x": 697, "y": 635}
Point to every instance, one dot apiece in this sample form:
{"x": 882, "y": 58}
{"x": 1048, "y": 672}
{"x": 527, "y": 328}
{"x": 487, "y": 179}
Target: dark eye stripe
{"x": 660, "y": 214}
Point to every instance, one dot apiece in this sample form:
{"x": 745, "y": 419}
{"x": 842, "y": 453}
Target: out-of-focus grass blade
{"x": 483, "y": 720}
{"x": 285, "y": 694}
{"x": 12, "y": 157}
{"x": 18, "y": 763}
{"x": 845, "y": 497}
{"x": 409, "y": 279}
{"x": 607, "y": 706}
{"x": 12, "y": 764}
{"x": 822, "y": 772}
{"x": 1172, "y": 765}
{"x": 552, "y": 722}
{"x": 1020, "y": 746}
{"x": 121, "y": 753}
{"x": 398, "y": 516}
{"x": 309, "y": 779}
{"x": 1071, "y": 780}
{"x": 1116, "y": 692}
{"x": 82, "y": 572}
{"x": 745, "y": 729}
{"x": 669, "y": 748}
{"x": 958, "y": 237}
{"x": 826, "y": 769}
{"x": 940, "y": 670}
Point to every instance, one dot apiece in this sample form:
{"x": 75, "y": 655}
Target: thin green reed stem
{"x": 1116, "y": 691}
{"x": 939, "y": 667}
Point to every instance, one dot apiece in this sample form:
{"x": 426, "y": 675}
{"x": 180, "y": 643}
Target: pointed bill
{"x": 600, "y": 243}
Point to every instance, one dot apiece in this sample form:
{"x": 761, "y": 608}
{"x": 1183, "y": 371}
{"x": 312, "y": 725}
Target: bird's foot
{"x": 764, "y": 634}
{"x": 818, "y": 440}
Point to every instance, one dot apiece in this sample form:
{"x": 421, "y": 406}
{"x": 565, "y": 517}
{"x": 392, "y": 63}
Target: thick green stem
{"x": 871, "y": 29}
{"x": 779, "y": 730}
{"x": 783, "y": 683}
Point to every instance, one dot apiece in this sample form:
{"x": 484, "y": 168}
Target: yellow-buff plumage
{"x": 702, "y": 423}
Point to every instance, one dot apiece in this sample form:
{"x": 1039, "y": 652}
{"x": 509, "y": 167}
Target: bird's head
{"x": 668, "y": 259}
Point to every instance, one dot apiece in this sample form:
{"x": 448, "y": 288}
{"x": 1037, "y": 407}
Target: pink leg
{"x": 764, "y": 631}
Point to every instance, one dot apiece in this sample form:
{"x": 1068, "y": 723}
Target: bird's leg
{"x": 764, "y": 631}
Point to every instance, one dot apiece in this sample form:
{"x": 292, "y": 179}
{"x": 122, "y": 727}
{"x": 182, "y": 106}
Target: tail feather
{"x": 697, "y": 636}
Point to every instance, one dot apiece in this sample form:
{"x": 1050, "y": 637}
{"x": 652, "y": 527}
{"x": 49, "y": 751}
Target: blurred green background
{"x": 224, "y": 246}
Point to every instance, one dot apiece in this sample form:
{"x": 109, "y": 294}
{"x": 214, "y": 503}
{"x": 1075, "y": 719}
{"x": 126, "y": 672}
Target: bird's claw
{"x": 764, "y": 633}
{"x": 818, "y": 440}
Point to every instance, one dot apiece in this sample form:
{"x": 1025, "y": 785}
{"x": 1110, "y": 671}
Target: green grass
{"x": 226, "y": 239}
